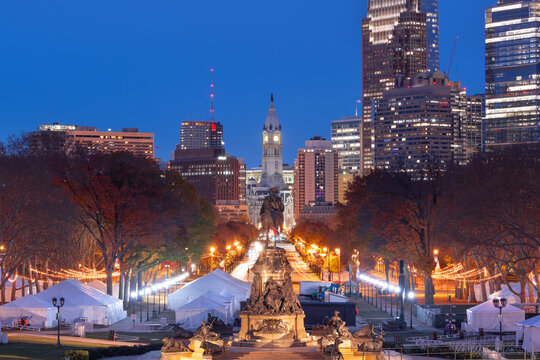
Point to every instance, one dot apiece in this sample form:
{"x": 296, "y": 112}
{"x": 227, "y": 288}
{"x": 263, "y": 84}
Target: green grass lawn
{"x": 29, "y": 348}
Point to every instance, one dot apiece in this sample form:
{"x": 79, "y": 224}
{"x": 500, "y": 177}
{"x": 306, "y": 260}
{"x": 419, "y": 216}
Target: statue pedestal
{"x": 250, "y": 324}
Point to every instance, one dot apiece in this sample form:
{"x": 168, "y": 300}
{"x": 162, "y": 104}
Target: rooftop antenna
{"x": 212, "y": 94}
{"x": 452, "y": 56}
{"x": 358, "y": 101}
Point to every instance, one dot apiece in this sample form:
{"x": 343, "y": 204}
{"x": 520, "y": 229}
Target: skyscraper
{"x": 316, "y": 179}
{"x": 394, "y": 42}
{"x": 201, "y": 135}
{"x": 512, "y": 73}
{"x": 426, "y": 121}
{"x": 214, "y": 174}
{"x": 431, "y": 8}
{"x": 347, "y": 140}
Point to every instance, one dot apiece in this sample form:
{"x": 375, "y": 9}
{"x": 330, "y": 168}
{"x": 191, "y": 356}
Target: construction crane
{"x": 452, "y": 56}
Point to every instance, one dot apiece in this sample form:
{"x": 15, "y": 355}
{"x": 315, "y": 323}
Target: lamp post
{"x": 338, "y": 252}
{"x": 499, "y": 304}
{"x": 58, "y": 306}
{"x": 411, "y": 297}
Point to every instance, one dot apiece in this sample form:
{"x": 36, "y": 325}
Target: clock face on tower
{"x": 266, "y": 138}
{"x": 276, "y": 138}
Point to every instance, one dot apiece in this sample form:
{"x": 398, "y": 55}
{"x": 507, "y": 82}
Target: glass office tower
{"x": 394, "y": 42}
{"x": 431, "y": 8}
{"x": 512, "y": 74}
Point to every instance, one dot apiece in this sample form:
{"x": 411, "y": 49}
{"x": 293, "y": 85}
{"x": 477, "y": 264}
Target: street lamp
{"x": 338, "y": 252}
{"x": 58, "y": 306}
{"x": 499, "y": 304}
{"x": 411, "y": 297}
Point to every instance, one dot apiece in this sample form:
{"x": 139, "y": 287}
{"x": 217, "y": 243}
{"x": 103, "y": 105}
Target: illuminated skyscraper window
{"x": 512, "y": 74}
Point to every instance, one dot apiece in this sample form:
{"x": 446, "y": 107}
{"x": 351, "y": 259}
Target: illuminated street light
{"x": 499, "y": 304}
{"x": 58, "y": 306}
{"x": 411, "y": 295}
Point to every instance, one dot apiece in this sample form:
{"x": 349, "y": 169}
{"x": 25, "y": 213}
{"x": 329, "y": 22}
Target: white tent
{"x": 82, "y": 300}
{"x": 486, "y": 316}
{"x": 214, "y": 281}
{"x": 101, "y": 286}
{"x": 236, "y": 283}
{"x": 529, "y": 332}
{"x": 42, "y": 312}
{"x": 190, "y": 315}
{"x": 510, "y": 296}
{"x": 98, "y": 285}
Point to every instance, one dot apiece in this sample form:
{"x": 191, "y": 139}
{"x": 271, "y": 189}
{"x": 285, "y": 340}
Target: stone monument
{"x": 338, "y": 341}
{"x": 273, "y": 312}
{"x": 204, "y": 345}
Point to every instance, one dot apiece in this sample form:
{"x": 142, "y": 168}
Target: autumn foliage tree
{"x": 120, "y": 198}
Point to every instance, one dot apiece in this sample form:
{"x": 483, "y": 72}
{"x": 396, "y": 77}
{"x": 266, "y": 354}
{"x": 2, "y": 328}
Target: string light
{"x": 88, "y": 274}
{"x": 453, "y": 273}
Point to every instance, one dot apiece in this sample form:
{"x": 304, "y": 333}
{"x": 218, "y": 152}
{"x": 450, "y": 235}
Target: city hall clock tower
{"x": 272, "y": 159}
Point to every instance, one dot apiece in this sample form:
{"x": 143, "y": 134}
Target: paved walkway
{"x": 370, "y": 314}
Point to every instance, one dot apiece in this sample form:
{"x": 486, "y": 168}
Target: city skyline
{"x": 140, "y": 80}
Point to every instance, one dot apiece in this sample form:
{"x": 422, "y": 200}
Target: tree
{"x": 118, "y": 196}
{"x": 397, "y": 214}
{"x": 33, "y": 216}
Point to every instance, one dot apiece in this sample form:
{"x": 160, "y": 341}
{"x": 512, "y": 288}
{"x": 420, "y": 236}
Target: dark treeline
{"x": 117, "y": 213}
{"x": 482, "y": 215}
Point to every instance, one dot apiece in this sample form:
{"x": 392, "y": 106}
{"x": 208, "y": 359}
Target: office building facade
{"x": 426, "y": 122}
{"x": 431, "y": 8}
{"x": 347, "y": 140}
{"x": 394, "y": 42}
{"x": 512, "y": 45}
{"x": 70, "y": 139}
{"x": 201, "y": 135}
{"x": 316, "y": 177}
{"x": 214, "y": 174}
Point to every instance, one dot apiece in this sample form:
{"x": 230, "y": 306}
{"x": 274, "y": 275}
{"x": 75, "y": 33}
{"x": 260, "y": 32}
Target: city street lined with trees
{"x": 469, "y": 225}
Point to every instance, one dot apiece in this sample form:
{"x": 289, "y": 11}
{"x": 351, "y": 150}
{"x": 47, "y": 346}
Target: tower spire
{"x": 272, "y": 98}
{"x": 212, "y": 94}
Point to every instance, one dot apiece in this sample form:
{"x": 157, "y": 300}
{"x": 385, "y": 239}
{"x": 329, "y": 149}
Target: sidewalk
{"x": 370, "y": 314}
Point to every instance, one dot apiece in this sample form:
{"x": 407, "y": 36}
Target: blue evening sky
{"x": 145, "y": 64}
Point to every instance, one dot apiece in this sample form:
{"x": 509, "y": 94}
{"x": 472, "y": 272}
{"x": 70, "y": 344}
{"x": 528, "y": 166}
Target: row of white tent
{"x": 486, "y": 316}
{"x": 81, "y": 301}
{"x": 217, "y": 293}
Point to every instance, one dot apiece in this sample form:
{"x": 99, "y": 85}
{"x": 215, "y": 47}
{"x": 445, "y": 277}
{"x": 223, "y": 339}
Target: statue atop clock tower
{"x": 272, "y": 158}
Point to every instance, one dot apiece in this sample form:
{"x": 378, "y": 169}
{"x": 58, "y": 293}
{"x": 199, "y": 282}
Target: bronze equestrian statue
{"x": 272, "y": 213}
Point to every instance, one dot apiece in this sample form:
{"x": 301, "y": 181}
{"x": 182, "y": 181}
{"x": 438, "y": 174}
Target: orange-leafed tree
{"x": 118, "y": 196}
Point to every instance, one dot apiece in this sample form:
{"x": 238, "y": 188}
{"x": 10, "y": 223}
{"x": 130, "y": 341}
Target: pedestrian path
{"x": 370, "y": 314}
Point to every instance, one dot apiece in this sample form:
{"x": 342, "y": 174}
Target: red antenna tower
{"x": 212, "y": 94}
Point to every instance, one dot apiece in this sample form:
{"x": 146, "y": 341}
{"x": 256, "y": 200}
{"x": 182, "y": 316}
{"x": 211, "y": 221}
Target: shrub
{"x": 76, "y": 355}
